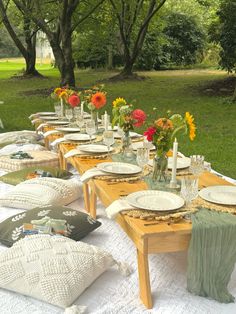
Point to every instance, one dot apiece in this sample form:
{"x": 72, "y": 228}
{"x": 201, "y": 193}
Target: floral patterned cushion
{"x": 78, "y": 224}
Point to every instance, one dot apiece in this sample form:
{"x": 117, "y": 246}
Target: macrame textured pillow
{"x": 13, "y": 148}
{"x": 40, "y": 158}
{"x": 52, "y": 269}
{"x": 42, "y": 192}
{"x": 11, "y": 137}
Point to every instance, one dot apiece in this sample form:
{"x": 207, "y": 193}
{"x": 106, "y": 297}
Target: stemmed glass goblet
{"x": 108, "y": 139}
{"x": 69, "y": 114}
{"x": 189, "y": 189}
{"x": 90, "y": 129}
{"x": 142, "y": 157}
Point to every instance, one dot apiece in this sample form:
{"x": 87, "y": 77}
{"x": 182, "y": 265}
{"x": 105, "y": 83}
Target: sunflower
{"x": 119, "y": 102}
{"x": 191, "y": 125}
{"x": 98, "y": 100}
{"x": 63, "y": 94}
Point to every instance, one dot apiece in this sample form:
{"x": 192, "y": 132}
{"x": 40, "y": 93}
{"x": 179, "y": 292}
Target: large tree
{"x": 58, "y": 20}
{"x": 133, "y": 18}
{"x": 25, "y": 39}
{"x": 223, "y": 31}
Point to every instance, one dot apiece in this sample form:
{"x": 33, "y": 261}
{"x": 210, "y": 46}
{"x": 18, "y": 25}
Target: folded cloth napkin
{"x": 57, "y": 141}
{"x": 94, "y": 172}
{"x": 117, "y": 206}
{"x": 35, "y": 120}
{"x": 211, "y": 254}
{"x": 74, "y": 152}
{"x": 46, "y": 134}
{"x": 33, "y": 115}
{"x": 39, "y": 128}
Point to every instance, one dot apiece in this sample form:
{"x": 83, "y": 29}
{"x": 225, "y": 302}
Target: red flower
{"x": 149, "y": 133}
{"x": 98, "y": 100}
{"x": 74, "y": 100}
{"x": 139, "y": 116}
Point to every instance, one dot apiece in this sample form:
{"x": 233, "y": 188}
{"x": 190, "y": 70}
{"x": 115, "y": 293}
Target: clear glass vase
{"x": 160, "y": 166}
{"x": 127, "y": 149}
{"x": 94, "y": 117}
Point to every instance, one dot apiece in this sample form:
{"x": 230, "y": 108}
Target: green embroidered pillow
{"x": 19, "y": 176}
{"x": 78, "y": 224}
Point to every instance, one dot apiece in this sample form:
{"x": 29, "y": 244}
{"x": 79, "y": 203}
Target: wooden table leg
{"x": 93, "y": 203}
{"x": 144, "y": 279}
{"x": 86, "y": 197}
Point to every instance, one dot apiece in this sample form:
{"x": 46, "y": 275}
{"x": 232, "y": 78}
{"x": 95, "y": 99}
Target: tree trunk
{"x": 110, "y": 57}
{"x": 234, "y": 95}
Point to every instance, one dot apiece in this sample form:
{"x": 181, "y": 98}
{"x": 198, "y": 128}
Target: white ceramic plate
{"x": 182, "y": 163}
{"x": 46, "y": 113}
{"x": 78, "y": 137}
{"x": 219, "y": 194}
{"x": 155, "y": 200}
{"x": 137, "y": 145}
{"x": 69, "y": 130}
{"x": 132, "y": 134}
{"x": 92, "y": 148}
{"x": 119, "y": 168}
{"x": 48, "y": 118}
{"x": 58, "y": 122}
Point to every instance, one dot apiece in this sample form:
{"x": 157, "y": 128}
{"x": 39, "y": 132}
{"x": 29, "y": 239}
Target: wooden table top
{"x": 109, "y": 192}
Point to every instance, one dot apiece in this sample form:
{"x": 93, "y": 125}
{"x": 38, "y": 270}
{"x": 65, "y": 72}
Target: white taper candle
{"x": 174, "y": 165}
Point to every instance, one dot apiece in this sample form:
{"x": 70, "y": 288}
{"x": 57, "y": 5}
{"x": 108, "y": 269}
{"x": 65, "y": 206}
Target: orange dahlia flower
{"x": 164, "y": 123}
{"x": 98, "y": 100}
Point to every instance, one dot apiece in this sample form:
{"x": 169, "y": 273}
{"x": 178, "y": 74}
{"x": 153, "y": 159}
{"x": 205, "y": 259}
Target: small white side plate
{"x": 95, "y": 148}
{"x": 68, "y": 130}
{"x": 155, "y": 200}
{"x": 78, "y": 137}
{"x": 119, "y": 168}
{"x": 219, "y": 194}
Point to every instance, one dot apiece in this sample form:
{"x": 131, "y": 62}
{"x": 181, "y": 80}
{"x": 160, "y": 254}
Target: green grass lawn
{"x": 175, "y": 90}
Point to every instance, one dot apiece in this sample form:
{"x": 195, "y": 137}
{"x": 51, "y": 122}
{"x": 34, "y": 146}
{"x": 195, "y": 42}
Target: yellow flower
{"x": 63, "y": 95}
{"x": 119, "y": 102}
{"x": 191, "y": 125}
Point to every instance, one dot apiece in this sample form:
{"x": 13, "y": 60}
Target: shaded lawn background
{"x": 177, "y": 91}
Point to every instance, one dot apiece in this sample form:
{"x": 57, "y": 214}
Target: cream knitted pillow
{"x": 53, "y": 269}
{"x": 42, "y": 192}
{"x": 13, "y": 148}
{"x": 40, "y": 158}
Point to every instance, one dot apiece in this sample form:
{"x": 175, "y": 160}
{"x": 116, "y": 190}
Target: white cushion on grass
{"x": 40, "y": 158}
{"x": 42, "y": 192}
{"x": 53, "y": 269}
{"x": 14, "y": 135}
{"x": 13, "y": 148}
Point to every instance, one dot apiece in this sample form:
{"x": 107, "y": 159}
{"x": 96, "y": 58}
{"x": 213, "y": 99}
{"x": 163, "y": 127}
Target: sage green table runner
{"x": 212, "y": 254}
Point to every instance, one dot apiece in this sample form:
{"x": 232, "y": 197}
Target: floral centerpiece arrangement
{"x": 126, "y": 118}
{"x": 95, "y": 99}
{"x": 66, "y": 97}
{"x": 162, "y": 134}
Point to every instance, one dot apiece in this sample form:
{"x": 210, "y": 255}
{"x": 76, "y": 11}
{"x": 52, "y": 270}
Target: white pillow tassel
{"x": 124, "y": 268}
{"x": 75, "y": 309}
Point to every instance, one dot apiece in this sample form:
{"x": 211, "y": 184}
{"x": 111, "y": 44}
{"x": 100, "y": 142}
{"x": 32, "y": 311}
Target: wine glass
{"x": 196, "y": 164}
{"x": 58, "y": 111}
{"x": 189, "y": 189}
{"x": 90, "y": 129}
{"x": 108, "y": 139}
{"x": 69, "y": 114}
{"x": 80, "y": 121}
{"x": 142, "y": 157}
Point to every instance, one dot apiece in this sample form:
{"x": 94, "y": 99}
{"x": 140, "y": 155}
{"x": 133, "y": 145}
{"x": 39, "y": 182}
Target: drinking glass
{"x": 80, "y": 121}
{"x": 77, "y": 111}
{"x": 58, "y": 110}
{"x": 90, "y": 129}
{"x": 142, "y": 157}
{"x": 189, "y": 189}
{"x": 196, "y": 164}
{"x": 108, "y": 139}
{"x": 69, "y": 114}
